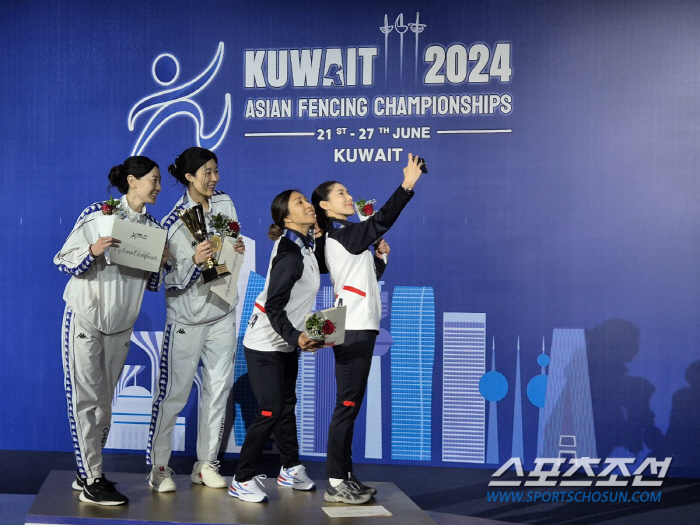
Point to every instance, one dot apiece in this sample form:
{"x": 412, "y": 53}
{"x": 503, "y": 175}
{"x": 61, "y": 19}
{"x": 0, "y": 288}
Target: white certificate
{"x": 336, "y": 315}
{"x": 140, "y": 246}
{"x": 226, "y": 287}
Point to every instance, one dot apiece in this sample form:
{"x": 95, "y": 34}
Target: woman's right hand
{"x": 202, "y": 252}
{"x": 100, "y": 245}
{"x": 309, "y": 345}
{"x": 412, "y": 172}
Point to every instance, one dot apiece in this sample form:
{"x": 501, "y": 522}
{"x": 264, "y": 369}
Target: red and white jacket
{"x": 353, "y": 269}
{"x": 293, "y": 280}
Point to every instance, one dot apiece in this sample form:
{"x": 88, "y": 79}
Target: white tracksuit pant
{"x": 92, "y": 363}
{"x": 183, "y": 347}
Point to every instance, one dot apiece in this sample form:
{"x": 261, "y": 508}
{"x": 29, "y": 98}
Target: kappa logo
{"x": 181, "y": 331}
{"x": 81, "y": 335}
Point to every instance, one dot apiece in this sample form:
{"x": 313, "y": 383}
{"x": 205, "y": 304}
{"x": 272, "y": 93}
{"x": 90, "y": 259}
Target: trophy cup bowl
{"x": 194, "y": 219}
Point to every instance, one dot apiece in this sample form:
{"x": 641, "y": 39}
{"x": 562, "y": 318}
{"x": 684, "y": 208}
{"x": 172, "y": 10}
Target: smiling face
{"x": 339, "y": 203}
{"x": 202, "y": 184}
{"x": 144, "y": 190}
{"x": 301, "y": 213}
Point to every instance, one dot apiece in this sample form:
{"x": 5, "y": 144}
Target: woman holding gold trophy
{"x": 102, "y": 303}
{"x": 200, "y": 324}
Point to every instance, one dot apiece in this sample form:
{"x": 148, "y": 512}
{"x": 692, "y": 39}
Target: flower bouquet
{"x": 326, "y": 325}
{"x": 318, "y": 327}
{"x": 111, "y": 206}
{"x": 365, "y": 209}
{"x": 226, "y": 227}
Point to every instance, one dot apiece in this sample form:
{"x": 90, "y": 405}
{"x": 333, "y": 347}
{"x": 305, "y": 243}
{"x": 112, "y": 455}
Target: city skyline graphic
{"x": 467, "y": 433}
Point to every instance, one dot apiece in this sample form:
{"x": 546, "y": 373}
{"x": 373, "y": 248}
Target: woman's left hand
{"x": 382, "y": 249}
{"x": 165, "y": 256}
{"x": 239, "y": 247}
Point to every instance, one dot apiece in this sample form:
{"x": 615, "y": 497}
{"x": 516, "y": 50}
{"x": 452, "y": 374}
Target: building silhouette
{"x": 463, "y": 406}
{"x": 568, "y": 428}
{"x": 412, "y": 358}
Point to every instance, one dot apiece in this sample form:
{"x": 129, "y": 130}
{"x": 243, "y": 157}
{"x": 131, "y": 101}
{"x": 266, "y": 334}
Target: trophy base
{"x": 215, "y": 272}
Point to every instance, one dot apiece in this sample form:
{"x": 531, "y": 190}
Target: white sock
{"x": 335, "y": 481}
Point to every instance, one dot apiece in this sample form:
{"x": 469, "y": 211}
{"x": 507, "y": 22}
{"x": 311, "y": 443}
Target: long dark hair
{"x": 137, "y": 166}
{"x": 189, "y": 161}
{"x": 321, "y": 193}
{"x": 279, "y": 210}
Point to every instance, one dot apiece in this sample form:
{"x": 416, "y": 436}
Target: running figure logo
{"x": 177, "y": 101}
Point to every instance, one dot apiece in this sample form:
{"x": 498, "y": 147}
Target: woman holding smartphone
{"x": 355, "y": 272}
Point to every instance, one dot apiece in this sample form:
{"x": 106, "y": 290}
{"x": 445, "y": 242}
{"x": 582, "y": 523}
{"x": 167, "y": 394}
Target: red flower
{"x": 368, "y": 209}
{"x": 327, "y": 328}
{"x": 234, "y": 227}
{"x": 107, "y": 209}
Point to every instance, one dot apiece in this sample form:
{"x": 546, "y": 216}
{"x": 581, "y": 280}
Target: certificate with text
{"x": 140, "y": 246}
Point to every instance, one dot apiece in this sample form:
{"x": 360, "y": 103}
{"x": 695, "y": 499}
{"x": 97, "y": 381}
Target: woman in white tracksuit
{"x": 354, "y": 272}
{"x": 102, "y": 304}
{"x": 271, "y": 343}
{"x": 199, "y": 326}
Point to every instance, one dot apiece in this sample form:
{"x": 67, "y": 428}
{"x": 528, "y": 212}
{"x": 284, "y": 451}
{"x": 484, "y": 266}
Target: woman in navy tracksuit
{"x": 271, "y": 343}
{"x": 354, "y": 272}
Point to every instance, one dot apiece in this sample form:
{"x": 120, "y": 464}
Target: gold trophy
{"x": 195, "y": 222}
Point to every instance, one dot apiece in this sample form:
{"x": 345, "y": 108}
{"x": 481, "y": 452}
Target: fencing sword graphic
{"x": 417, "y": 28}
{"x": 386, "y": 29}
{"x": 400, "y": 29}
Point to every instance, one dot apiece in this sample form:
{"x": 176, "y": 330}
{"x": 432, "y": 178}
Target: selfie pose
{"x": 355, "y": 272}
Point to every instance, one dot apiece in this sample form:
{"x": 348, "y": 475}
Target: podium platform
{"x": 57, "y": 504}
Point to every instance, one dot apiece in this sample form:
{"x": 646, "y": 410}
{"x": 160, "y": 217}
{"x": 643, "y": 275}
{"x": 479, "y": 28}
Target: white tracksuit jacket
{"x": 200, "y": 326}
{"x": 102, "y": 304}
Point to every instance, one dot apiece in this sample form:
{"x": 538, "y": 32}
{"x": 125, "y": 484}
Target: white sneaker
{"x": 251, "y": 490}
{"x": 160, "y": 479}
{"x": 207, "y": 472}
{"x": 296, "y": 478}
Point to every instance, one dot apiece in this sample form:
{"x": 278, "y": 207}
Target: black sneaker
{"x": 78, "y": 482}
{"x": 102, "y": 492}
{"x": 365, "y": 488}
{"x": 347, "y": 492}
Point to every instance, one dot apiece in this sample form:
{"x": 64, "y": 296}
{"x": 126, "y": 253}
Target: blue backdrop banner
{"x": 541, "y": 297}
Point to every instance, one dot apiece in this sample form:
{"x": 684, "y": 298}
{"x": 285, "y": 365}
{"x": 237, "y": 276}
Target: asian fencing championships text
{"x": 380, "y": 106}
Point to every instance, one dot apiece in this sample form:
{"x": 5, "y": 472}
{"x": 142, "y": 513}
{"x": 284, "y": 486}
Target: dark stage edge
{"x": 57, "y": 504}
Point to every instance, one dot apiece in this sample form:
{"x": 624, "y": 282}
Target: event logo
{"x": 416, "y": 28}
{"x": 177, "y": 101}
